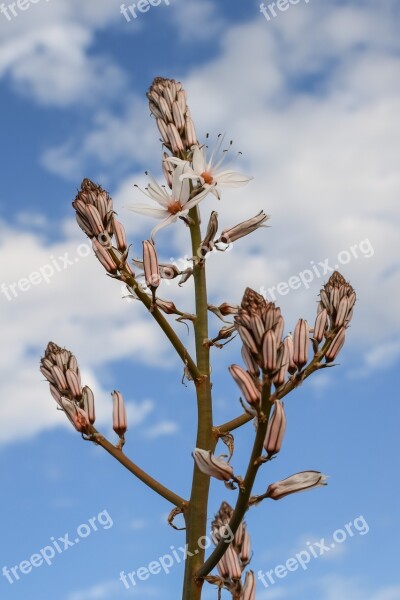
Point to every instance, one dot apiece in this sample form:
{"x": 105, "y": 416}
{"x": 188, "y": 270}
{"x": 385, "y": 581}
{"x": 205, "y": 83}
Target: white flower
{"x": 207, "y": 172}
{"x": 173, "y": 205}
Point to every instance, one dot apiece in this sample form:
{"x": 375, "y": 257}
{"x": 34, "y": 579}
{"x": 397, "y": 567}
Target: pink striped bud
{"x": 88, "y": 404}
{"x": 120, "y": 236}
{"x": 282, "y": 365}
{"x": 288, "y": 342}
{"x": 321, "y": 323}
{"x": 74, "y": 383}
{"x": 342, "y": 312}
{"x": 150, "y": 265}
{"x": 250, "y": 363}
{"x": 94, "y": 219}
{"x": 104, "y": 257}
{"x": 76, "y": 415}
{"x": 276, "y": 429}
{"x": 300, "y": 343}
{"x": 246, "y": 384}
{"x": 269, "y": 352}
{"x": 212, "y": 465}
{"x": 232, "y": 563}
{"x": 249, "y": 587}
{"x": 247, "y": 339}
{"x": 245, "y": 547}
{"x": 305, "y": 480}
{"x": 336, "y": 345}
{"x": 119, "y": 414}
{"x": 59, "y": 377}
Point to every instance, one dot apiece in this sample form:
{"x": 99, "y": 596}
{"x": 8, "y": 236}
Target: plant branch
{"x": 152, "y": 483}
{"x": 242, "y": 503}
{"x": 165, "y": 326}
{"x": 196, "y": 516}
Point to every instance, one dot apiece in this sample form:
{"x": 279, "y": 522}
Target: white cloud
{"x": 161, "y": 429}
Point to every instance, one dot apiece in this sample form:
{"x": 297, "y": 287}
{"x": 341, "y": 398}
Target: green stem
{"x": 165, "y": 326}
{"x": 242, "y": 503}
{"x": 137, "y": 471}
{"x": 196, "y": 515}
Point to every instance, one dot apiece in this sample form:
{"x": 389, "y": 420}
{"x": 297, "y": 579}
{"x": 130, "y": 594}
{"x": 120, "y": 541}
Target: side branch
{"x": 152, "y": 483}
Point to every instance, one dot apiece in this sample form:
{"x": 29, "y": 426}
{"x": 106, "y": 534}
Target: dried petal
{"x": 299, "y": 482}
{"x": 211, "y": 465}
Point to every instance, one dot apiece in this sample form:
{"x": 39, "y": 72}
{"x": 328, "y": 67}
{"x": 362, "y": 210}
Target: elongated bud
{"x": 305, "y": 480}
{"x": 208, "y": 243}
{"x": 276, "y": 429}
{"x": 288, "y": 342}
{"x": 246, "y": 384}
{"x": 104, "y": 257}
{"x": 120, "y": 424}
{"x": 76, "y": 415}
{"x": 321, "y": 324}
{"x": 282, "y": 365}
{"x": 150, "y": 265}
{"x": 342, "y": 312}
{"x": 300, "y": 343}
{"x": 88, "y": 404}
{"x": 74, "y": 383}
{"x": 212, "y": 465}
{"x": 228, "y": 236}
{"x": 336, "y": 345}
{"x": 120, "y": 236}
{"x": 232, "y": 563}
{"x": 247, "y": 339}
{"x": 245, "y": 546}
{"x": 250, "y": 363}
{"x": 59, "y": 377}
{"x": 249, "y": 587}
{"x": 278, "y": 330}
{"x": 269, "y": 352}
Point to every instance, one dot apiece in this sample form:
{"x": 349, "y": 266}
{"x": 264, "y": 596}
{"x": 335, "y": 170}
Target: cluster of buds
{"x": 167, "y": 102}
{"x": 237, "y": 556}
{"x": 60, "y": 368}
{"x": 95, "y": 216}
{"x": 335, "y": 311}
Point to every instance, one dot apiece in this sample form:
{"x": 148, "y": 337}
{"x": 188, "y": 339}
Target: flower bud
{"x": 104, "y": 257}
{"x": 228, "y": 236}
{"x": 246, "y": 385}
{"x": 300, "y": 344}
{"x": 249, "y": 587}
{"x": 276, "y": 429}
{"x": 305, "y": 480}
{"x": 282, "y": 365}
{"x": 208, "y": 243}
{"x": 245, "y": 546}
{"x": 336, "y": 345}
{"x": 76, "y": 415}
{"x": 88, "y": 403}
{"x": 288, "y": 342}
{"x": 321, "y": 323}
{"x": 150, "y": 265}
{"x": 212, "y": 465}
{"x": 250, "y": 363}
{"x": 232, "y": 563}
{"x": 269, "y": 353}
{"x": 119, "y": 414}
{"x": 74, "y": 383}
{"x": 120, "y": 235}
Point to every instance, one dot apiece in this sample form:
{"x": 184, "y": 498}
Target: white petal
{"x": 144, "y": 209}
{"x": 199, "y": 160}
{"x": 231, "y": 178}
{"x": 165, "y": 223}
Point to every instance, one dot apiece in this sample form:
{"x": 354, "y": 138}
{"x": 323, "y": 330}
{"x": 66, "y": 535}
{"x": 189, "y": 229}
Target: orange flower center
{"x": 175, "y": 207}
{"x": 208, "y": 178}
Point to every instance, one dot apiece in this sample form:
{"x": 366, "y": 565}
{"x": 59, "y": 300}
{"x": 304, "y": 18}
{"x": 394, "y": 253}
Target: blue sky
{"x": 311, "y": 98}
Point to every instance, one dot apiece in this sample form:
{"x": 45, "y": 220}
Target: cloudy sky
{"x": 311, "y": 100}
